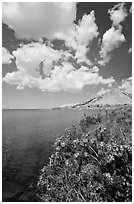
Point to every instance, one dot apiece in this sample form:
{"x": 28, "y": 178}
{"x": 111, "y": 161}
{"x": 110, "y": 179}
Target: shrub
{"x": 89, "y": 165}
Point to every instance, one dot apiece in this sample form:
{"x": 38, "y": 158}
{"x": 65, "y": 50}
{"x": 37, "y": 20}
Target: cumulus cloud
{"x": 6, "y": 56}
{"x": 53, "y": 20}
{"x": 112, "y": 39}
{"x": 86, "y": 31}
{"x": 103, "y": 91}
{"x": 28, "y": 58}
{"x": 45, "y": 19}
{"x": 118, "y": 13}
{"x": 95, "y": 69}
{"x": 80, "y": 37}
{"x": 63, "y": 77}
{"x": 126, "y": 85}
{"x": 41, "y": 65}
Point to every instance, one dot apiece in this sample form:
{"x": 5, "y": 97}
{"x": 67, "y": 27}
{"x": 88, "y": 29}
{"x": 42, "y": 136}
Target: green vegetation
{"x": 92, "y": 161}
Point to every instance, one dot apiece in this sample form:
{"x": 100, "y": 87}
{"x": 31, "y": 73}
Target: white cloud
{"x": 130, "y": 50}
{"x": 80, "y": 37}
{"x": 34, "y": 20}
{"x": 53, "y": 20}
{"x": 86, "y": 31}
{"x": 126, "y": 85}
{"x": 112, "y": 39}
{"x": 103, "y": 91}
{"x": 6, "y": 56}
{"x": 63, "y": 77}
{"x": 118, "y": 14}
{"x": 40, "y": 65}
{"x": 28, "y": 58}
{"x": 95, "y": 69}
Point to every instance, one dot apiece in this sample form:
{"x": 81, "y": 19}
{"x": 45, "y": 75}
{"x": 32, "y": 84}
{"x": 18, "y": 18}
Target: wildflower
{"x": 101, "y": 144}
{"x": 57, "y": 148}
{"x": 50, "y": 161}
{"x": 121, "y": 147}
{"x": 85, "y": 154}
{"x": 56, "y": 154}
{"x": 108, "y": 175}
{"x": 76, "y": 154}
{"x": 62, "y": 144}
{"x": 76, "y": 141}
{"x": 57, "y": 142}
{"x": 110, "y": 158}
{"x": 66, "y": 162}
{"x": 85, "y": 140}
{"x": 58, "y": 139}
{"x": 81, "y": 143}
{"x": 52, "y": 156}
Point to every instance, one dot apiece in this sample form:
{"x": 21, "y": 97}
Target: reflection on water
{"x": 27, "y": 141}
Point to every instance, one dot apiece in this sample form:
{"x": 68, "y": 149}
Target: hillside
{"x": 112, "y": 98}
{"x": 91, "y": 162}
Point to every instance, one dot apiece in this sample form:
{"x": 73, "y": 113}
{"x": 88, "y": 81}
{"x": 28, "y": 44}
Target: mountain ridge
{"x": 111, "y": 98}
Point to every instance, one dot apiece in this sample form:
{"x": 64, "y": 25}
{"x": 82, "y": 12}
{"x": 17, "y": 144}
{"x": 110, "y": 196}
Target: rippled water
{"x": 28, "y": 136}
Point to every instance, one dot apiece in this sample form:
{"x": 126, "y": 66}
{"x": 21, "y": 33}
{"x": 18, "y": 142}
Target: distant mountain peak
{"x": 111, "y": 98}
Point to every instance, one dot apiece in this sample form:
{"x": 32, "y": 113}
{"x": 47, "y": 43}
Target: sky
{"x": 64, "y": 53}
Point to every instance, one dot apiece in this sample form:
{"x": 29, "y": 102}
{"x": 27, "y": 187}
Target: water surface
{"x": 28, "y": 136}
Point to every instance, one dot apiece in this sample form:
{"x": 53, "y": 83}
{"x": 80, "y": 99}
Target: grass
{"x": 91, "y": 162}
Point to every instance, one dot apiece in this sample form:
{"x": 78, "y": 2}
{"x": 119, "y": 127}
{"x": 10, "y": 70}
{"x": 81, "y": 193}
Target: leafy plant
{"x": 90, "y": 164}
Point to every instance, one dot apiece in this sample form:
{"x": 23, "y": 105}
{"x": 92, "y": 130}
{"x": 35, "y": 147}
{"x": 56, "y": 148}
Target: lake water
{"x": 27, "y": 139}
